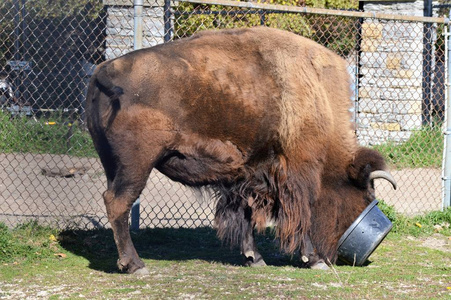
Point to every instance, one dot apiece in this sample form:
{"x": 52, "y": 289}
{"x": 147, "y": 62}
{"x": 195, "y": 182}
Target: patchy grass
{"x": 433, "y": 222}
{"x": 27, "y": 242}
{"x": 54, "y": 134}
{"x": 192, "y": 263}
{"x": 423, "y": 149}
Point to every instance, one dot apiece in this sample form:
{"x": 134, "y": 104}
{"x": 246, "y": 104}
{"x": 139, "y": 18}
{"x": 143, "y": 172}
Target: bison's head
{"x": 344, "y": 195}
{"x": 367, "y": 166}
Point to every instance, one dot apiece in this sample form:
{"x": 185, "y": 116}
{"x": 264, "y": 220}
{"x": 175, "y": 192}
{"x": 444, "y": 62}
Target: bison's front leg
{"x": 252, "y": 258}
{"x": 310, "y": 257}
{"x": 233, "y": 220}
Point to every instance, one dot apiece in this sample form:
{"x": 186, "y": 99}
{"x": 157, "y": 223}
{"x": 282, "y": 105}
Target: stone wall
{"x": 120, "y": 25}
{"x": 391, "y": 74}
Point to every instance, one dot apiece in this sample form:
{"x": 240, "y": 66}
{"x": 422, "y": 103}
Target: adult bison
{"x": 259, "y": 115}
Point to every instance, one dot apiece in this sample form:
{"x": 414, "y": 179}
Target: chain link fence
{"x": 50, "y": 171}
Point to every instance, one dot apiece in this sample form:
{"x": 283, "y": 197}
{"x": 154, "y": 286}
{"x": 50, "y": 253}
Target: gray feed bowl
{"x": 364, "y": 235}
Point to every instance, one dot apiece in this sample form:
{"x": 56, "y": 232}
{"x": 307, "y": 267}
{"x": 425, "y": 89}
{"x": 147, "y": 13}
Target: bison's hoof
{"x": 320, "y": 265}
{"x": 250, "y": 262}
{"x": 131, "y": 267}
{"x": 258, "y": 263}
{"x": 141, "y": 272}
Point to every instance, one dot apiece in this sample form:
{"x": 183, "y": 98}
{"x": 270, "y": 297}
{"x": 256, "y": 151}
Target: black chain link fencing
{"x": 50, "y": 171}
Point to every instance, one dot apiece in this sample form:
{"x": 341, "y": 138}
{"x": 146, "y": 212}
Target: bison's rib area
{"x": 270, "y": 192}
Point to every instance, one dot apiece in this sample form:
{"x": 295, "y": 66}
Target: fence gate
{"x": 50, "y": 172}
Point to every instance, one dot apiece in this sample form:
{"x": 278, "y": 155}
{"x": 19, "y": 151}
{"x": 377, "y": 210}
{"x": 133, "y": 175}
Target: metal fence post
{"x": 447, "y": 138}
{"x": 262, "y": 17}
{"x": 167, "y": 21}
{"x": 138, "y": 24}
{"x": 17, "y": 47}
{"x": 134, "y": 224}
{"x": 137, "y": 44}
{"x": 427, "y": 65}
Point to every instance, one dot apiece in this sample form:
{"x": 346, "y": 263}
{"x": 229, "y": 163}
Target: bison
{"x": 259, "y": 115}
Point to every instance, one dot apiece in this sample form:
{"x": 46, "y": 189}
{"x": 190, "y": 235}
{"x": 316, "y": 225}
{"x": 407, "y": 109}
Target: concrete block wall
{"x": 391, "y": 74}
{"x": 120, "y": 22}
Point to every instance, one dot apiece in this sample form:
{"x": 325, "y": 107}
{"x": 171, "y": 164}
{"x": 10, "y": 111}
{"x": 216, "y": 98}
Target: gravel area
{"x": 67, "y": 191}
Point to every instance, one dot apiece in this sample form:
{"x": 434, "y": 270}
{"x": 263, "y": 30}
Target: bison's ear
{"x": 368, "y": 165}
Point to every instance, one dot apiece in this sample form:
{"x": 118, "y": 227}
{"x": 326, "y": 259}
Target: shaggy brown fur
{"x": 260, "y": 115}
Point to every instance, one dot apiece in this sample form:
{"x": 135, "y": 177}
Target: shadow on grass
{"x": 98, "y": 247}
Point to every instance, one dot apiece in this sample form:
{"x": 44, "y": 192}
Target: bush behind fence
{"x": 50, "y": 172}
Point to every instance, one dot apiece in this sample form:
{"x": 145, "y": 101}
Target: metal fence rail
{"x": 50, "y": 172}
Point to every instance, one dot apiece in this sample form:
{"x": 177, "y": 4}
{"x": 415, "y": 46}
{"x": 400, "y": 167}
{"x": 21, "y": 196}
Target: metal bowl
{"x": 364, "y": 235}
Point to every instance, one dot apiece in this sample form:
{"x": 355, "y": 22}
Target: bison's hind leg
{"x": 134, "y": 160}
{"x": 118, "y": 206}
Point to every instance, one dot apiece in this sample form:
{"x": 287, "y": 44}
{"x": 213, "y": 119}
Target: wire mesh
{"x": 51, "y": 173}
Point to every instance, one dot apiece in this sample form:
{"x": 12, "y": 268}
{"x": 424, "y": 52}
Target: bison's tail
{"x": 105, "y": 83}
{"x": 101, "y": 87}
{"x": 102, "y": 101}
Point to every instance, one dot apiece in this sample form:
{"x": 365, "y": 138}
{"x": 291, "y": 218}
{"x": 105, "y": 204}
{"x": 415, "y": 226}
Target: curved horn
{"x": 384, "y": 175}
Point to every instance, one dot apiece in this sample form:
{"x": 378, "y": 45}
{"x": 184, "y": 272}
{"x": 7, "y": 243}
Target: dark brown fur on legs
{"x": 252, "y": 258}
{"x": 309, "y": 255}
{"x": 341, "y": 201}
{"x": 234, "y": 223}
{"x": 118, "y": 209}
{"x": 125, "y": 183}
{"x": 127, "y": 163}
{"x": 267, "y": 193}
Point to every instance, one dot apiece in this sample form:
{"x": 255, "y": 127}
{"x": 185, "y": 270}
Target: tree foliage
{"x": 50, "y": 17}
{"x": 334, "y": 32}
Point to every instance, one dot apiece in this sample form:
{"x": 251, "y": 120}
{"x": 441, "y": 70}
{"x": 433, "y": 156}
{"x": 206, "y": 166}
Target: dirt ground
{"x": 435, "y": 241}
{"x": 419, "y": 190}
{"x": 67, "y": 191}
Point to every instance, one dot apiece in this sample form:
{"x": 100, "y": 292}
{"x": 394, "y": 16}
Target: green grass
{"x": 423, "y": 149}
{"x": 27, "y": 242}
{"x": 53, "y": 135}
{"x": 418, "y": 225}
{"x": 192, "y": 263}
